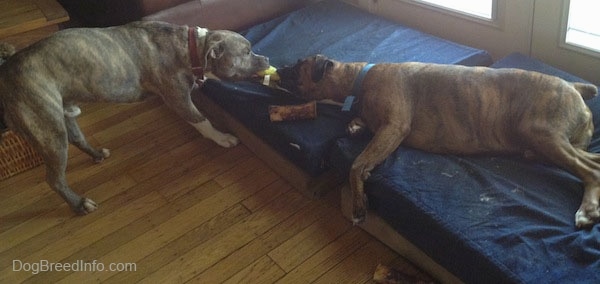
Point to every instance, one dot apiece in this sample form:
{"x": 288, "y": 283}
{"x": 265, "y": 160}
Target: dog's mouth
{"x": 240, "y": 75}
{"x": 289, "y": 79}
{"x": 240, "y": 69}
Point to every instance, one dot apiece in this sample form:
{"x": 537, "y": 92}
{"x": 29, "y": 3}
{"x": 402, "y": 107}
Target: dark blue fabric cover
{"x": 341, "y": 32}
{"x": 487, "y": 219}
{"x": 304, "y": 142}
{"x": 346, "y": 33}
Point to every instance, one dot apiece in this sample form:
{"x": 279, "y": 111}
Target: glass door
{"x": 566, "y": 34}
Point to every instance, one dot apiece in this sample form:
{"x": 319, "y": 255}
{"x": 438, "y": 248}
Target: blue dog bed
{"x": 339, "y": 31}
{"x": 484, "y": 219}
{"x": 487, "y": 219}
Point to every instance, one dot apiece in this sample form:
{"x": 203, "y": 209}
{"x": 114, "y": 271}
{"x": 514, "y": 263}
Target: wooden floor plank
{"x": 311, "y": 240}
{"x": 166, "y": 224}
{"x": 325, "y": 259}
{"x": 203, "y": 172}
{"x": 267, "y": 195}
{"x": 180, "y": 208}
{"x": 232, "y": 239}
{"x": 21, "y": 181}
{"x": 73, "y": 223}
{"x": 183, "y": 244}
{"x": 359, "y": 267}
{"x": 241, "y": 169}
{"x": 85, "y": 236}
{"x": 23, "y": 198}
{"x": 134, "y": 127}
{"x": 173, "y": 158}
{"x": 263, "y": 244}
{"x": 264, "y": 270}
{"x": 25, "y": 230}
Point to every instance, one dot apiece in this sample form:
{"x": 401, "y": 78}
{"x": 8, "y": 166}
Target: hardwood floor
{"x": 179, "y": 209}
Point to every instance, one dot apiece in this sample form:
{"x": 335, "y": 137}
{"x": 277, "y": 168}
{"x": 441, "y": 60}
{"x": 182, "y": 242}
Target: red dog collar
{"x": 197, "y": 70}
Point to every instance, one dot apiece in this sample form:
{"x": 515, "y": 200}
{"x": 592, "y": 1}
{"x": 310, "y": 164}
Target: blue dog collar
{"x": 356, "y": 87}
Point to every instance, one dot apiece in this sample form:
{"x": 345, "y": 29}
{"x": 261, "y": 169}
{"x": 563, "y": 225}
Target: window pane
{"x": 583, "y": 28}
{"x": 480, "y": 8}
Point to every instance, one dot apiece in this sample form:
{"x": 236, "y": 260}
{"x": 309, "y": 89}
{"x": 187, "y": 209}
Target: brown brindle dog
{"x": 451, "y": 109}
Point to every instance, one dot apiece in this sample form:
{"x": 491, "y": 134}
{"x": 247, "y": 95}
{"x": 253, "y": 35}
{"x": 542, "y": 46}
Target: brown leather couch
{"x": 226, "y": 14}
{"x": 212, "y": 14}
{"x": 99, "y": 13}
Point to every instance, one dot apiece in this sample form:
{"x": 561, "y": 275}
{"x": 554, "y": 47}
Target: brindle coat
{"x": 41, "y": 85}
{"x": 450, "y": 109}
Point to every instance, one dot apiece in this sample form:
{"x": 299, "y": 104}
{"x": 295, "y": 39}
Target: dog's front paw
{"x": 587, "y": 215}
{"x": 86, "y": 206}
{"x": 227, "y": 140}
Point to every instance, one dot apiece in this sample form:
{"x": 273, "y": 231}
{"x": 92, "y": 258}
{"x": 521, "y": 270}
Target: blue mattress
{"x": 339, "y": 31}
{"x": 487, "y": 219}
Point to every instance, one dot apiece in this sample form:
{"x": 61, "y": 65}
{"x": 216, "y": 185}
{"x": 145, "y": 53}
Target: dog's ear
{"x": 216, "y": 50}
{"x": 216, "y": 45}
{"x": 321, "y": 66}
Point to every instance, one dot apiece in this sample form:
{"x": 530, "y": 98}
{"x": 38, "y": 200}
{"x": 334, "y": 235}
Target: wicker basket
{"x": 16, "y": 155}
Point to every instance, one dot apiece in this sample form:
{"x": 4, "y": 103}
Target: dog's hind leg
{"x": 77, "y": 138}
{"x": 592, "y": 156}
{"x": 56, "y": 166}
{"x": 589, "y": 210}
{"x": 51, "y": 142}
{"x": 582, "y": 164}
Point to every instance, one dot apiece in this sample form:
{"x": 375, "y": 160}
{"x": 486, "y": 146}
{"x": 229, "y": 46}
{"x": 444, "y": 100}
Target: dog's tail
{"x": 587, "y": 91}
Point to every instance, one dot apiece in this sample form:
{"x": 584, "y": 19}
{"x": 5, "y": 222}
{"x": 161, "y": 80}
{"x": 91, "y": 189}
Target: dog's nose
{"x": 288, "y": 79}
{"x": 287, "y": 73}
{"x": 260, "y": 61}
{"x": 263, "y": 60}
{"x": 281, "y": 74}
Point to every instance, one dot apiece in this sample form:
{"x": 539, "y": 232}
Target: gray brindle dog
{"x": 451, "y": 109}
{"x": 41, "y": 85}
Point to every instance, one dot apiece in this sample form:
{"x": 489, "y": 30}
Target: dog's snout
{"x": 287, "y": 73}
{"x": 289, "y": 77}
{"x": 261, "y": 61}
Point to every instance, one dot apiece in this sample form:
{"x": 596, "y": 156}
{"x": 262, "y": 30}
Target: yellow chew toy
{"x": 271, "y": 72}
